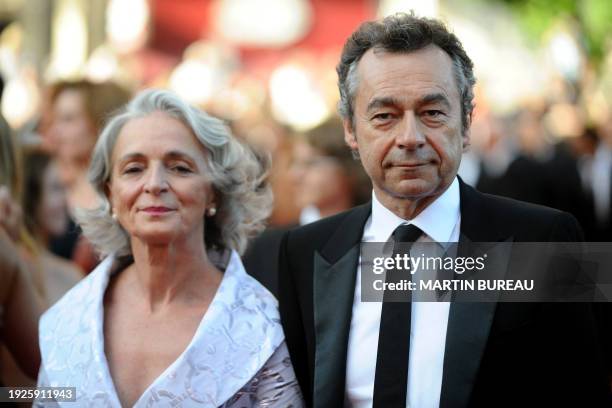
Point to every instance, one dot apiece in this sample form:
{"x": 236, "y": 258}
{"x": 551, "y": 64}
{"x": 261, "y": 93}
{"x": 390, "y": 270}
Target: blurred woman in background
{"x": 46, "y": 216}
{"x": 326, "y": 177}
{"x": 78, "y": 111}
{"x": 20, "y": 304}
{"x": 326, "y": 180}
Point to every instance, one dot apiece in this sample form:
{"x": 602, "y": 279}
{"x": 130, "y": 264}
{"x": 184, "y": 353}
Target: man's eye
{"x": 433, "y": 113}
{"x": 382, "y": 116}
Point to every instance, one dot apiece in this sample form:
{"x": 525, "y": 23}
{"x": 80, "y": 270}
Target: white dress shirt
{"x": 440, "y": 222}
{"x": 601, "y": 182}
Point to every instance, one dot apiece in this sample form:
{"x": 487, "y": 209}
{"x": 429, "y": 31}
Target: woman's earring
{"x": 211, "y": 211}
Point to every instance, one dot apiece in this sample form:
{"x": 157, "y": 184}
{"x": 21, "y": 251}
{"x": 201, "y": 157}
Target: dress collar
{"x": 238, "y": 333}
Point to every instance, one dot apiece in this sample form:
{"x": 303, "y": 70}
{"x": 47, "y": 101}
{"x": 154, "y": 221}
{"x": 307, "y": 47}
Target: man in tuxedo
{"x": 406, "y": 87}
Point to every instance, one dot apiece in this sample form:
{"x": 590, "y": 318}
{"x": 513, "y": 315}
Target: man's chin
{"x": 413, "y": 189}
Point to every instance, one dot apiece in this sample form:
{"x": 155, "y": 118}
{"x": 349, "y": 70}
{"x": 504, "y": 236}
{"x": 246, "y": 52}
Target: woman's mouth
{"x": 156, "y": 210}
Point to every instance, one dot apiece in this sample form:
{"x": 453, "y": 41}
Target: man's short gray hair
{"x": 403, "y": 33}
{"x": 238, "y": 176}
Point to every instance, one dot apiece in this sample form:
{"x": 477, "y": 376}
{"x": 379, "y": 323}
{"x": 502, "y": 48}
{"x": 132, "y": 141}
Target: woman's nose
{"x": 156, "y": 181}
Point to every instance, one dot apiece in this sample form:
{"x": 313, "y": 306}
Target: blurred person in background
{"x": 78, "y": 113}
{"x": 582, "y": 150}
{"x": 266, "y": 135}
{"x": 326, "y": 181}
{"x": 517, "y": 157}
{"x": 78, "y": 110}
{"x": 19, "y": 309}
{"x": 600, "y": 183}
{"x": 170, "y": 314}
{"x": 20, "y": 301}
{"x": 497, "y": 162}
{"x": 46, "y": 216}
{"x": 327, "y": 178}
{"x": 565, "y": 165}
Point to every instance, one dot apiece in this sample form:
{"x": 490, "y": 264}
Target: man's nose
{"x": 156, "y": 181}
{"x": 410, "y": 135}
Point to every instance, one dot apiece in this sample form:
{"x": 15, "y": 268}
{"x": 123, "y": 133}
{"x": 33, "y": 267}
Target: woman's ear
{"x": 108, "y": 193}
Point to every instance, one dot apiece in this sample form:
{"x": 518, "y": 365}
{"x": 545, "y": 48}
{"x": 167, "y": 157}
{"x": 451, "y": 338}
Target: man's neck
{"x": 406, "y": 208}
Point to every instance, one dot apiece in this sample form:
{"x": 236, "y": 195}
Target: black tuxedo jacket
{"x": 261, "y": 257}
{"x": 497, "y": 354}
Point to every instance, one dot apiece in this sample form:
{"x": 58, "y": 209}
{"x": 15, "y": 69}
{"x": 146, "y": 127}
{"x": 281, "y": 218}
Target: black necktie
{"x": 391, "y": 378}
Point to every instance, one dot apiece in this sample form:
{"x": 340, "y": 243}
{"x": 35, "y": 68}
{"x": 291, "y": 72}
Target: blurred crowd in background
{"x": 541, "y": 131}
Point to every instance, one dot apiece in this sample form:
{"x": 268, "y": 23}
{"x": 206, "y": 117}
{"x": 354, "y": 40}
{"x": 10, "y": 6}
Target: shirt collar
{"x": 437, "y": 220}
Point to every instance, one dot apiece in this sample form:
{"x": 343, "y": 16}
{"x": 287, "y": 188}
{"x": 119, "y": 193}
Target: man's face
{"x": 407, "y": 123}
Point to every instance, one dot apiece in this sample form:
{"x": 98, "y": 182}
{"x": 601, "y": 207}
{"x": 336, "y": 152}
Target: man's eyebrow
{"x": 436, "y": 98}
{"x": 426, "y": 99}
{"x": 381, "y": 102}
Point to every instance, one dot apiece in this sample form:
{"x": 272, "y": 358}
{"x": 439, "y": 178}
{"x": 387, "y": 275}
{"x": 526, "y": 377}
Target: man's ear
{"x": 466, "y": 135}
{"x": 467, "y": 142}
{"x": 349, "y": 134}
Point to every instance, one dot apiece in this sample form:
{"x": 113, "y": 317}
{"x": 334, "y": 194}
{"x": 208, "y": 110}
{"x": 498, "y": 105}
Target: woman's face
{"x": 159, "y": 188}
{"x": 318, "y": 180}
{"x": 52, "y": 214}
{"x": 71, "y": 128}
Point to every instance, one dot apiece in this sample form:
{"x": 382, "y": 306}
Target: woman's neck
{"x": 167, "y": 274}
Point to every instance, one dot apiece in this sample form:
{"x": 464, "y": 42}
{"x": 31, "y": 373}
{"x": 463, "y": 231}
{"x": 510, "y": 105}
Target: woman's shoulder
{"x": 242, "y": 288}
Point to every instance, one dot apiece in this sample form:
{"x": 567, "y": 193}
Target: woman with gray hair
{"x": 170, "y": 317}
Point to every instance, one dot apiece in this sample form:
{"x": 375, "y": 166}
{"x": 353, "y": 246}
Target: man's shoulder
{"x": 270, "y": 238}
{"x": 521, "y": 209}
{"x": 521, "y": 219}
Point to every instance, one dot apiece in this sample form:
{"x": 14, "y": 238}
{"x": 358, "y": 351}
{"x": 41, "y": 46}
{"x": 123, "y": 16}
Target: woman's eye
{"x": 181, "y": 169}
{"x": 131, "y": 170}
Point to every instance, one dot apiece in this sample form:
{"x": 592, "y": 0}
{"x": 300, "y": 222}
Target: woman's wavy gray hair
{"x": 238, "y": 176}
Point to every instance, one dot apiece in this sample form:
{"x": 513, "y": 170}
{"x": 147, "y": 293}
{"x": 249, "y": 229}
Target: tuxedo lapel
{"x": 334, "y": 277}
{"x": 469, "y": 323}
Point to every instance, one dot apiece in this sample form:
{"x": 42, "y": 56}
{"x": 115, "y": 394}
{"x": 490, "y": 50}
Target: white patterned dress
{"x": 237, "y": 357}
